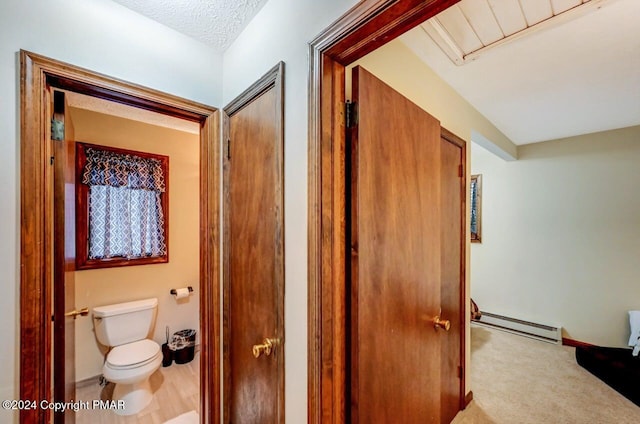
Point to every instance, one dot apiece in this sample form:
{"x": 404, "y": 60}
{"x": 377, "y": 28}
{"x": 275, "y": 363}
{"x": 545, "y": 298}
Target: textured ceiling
{"x": 576, "y": 77}
{"x": 214, "y": 22}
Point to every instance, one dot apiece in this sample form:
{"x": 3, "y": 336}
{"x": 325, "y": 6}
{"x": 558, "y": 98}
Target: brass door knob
{"x": 267, "y": 346}
{"x": 82, "y": 312}
{"x": 438, "y": 322}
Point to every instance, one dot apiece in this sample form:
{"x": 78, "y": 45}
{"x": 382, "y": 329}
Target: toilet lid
{"x": 133, "y": 353}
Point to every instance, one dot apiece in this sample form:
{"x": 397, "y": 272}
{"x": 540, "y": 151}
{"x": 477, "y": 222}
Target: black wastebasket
{"x": 183, "y": 344}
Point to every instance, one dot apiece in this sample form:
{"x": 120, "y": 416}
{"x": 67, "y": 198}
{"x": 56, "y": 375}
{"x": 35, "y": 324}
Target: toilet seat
{"x": 133, "y": 355}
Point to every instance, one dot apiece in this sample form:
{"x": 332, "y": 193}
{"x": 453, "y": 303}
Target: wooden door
{"x": 64, "y": 242}
{"x": 395, "y": 240}
{"x": 452, "y": 282}
{"x": 254, "y": 248}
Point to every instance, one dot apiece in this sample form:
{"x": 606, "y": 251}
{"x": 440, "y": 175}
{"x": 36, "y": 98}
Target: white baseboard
{"x": 543, "y": 332}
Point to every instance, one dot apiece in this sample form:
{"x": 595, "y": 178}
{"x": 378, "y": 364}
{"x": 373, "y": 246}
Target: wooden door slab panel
{"x": 395, "y": 244}
{"x": 254, "y": 254}
{"x": 252, "y": 247}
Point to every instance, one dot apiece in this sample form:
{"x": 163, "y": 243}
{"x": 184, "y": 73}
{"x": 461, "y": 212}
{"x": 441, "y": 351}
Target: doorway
{"x": 40, "y": 75}
{"x": 97, "y": 125}
{"x": 364, "y": 28}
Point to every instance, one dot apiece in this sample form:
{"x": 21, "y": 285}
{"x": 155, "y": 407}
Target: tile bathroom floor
{"x": 176, "y": 391}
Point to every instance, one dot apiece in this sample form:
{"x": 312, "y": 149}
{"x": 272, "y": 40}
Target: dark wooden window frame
{"x": 82, "y": 212}
{"x": 367, "y": 26}
{"x": 38, "y": 74}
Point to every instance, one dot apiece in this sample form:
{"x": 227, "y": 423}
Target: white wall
{"x": 280, "y": 32}
{"x": 398, "y": 66}
{"x": 560, "y": 234}
{"x": 102, "y": 36}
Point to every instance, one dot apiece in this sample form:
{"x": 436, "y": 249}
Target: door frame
{"x": 36, "y": 220}
{"x": 273, "y": 79}
{"x": 365, "y": 27}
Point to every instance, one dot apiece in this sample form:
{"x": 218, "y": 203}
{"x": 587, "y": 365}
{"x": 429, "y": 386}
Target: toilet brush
{"x": 167, "y": 353}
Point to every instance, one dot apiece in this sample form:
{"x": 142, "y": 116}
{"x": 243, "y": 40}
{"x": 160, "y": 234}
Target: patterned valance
{"x": 113, "y": 169}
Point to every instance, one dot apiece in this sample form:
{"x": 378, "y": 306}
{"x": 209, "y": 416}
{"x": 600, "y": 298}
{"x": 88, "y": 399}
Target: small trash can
{"x": 183, "y": 344}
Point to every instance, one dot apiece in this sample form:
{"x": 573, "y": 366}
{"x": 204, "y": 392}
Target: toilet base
{"x": 136, "y": 397}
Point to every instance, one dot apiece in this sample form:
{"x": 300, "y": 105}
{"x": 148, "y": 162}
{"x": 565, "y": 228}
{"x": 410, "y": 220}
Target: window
{"x": 121, "y": 207}
{"x": 476, "y": 208}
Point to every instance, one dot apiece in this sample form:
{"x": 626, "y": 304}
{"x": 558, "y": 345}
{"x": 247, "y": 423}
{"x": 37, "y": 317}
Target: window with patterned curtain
{"x": 122, "y": 205}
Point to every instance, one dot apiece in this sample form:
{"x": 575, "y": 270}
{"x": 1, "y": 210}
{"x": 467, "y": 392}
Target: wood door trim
{"x": 373, "y": 23}
{"x": 36, "y": 191}
{"x": 452, "y": 138}
{"x": 64, "y": 250}
{"x": 467, "y": 399}
{"x": 274, "y": 78}
{"x": 575, "y": 343}
{"x": 362, "y": 29}
{"x": 458, "y": 141}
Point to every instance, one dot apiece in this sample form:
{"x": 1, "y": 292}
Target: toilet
{"x": 132, "y": 357}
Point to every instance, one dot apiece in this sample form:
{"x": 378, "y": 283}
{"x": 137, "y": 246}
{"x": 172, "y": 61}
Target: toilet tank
{"x": 124, "y": 322}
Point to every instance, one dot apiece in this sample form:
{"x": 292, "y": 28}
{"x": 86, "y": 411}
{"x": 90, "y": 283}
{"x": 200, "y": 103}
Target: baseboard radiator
{"x": 546, "y": 333}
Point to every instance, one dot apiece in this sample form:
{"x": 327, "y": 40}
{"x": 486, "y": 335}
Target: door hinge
{"x": 459, "y": 170}
{"x": 351, "y": 114}
{"x": 52, "y": 318}
{"x": 228, "y": 148}
{"x": 461, "y": 373}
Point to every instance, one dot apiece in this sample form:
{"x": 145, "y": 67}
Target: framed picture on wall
{"x": 476, "y": 208}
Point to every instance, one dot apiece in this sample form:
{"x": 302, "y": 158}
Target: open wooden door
{"x": 396, "y": 326}
{"x": 64, "y": 313}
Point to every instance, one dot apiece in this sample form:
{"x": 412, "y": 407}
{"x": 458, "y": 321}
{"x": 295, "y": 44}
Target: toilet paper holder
{"x": 175, "y": 292}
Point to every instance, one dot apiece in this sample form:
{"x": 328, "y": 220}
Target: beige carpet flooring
{"x": 517, "y": 380}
